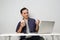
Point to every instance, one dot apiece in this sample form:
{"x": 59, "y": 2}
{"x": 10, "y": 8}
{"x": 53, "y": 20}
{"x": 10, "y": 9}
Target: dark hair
{"x": 23, "y": 9}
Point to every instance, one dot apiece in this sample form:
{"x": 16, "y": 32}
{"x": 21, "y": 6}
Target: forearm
{"x": 37, "y": 25}
{"x": 19, "y": 30}
{"x": 37, "y": 28}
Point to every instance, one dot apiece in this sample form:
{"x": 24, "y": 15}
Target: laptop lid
{"x": 46, "y": 27}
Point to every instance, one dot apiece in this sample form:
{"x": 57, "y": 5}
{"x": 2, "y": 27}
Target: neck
{"x": 25, "y": 18}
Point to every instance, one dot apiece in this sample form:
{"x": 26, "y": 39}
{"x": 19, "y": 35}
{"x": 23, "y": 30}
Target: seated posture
{"x": 27, "y": 25}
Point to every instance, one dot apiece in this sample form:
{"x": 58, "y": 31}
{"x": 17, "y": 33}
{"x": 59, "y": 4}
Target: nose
{"x": 26, "y": 13}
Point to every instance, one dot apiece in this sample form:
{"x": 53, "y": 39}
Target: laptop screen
{"x": 46, "y": 27}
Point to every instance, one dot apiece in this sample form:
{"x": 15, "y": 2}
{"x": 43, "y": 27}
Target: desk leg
{"x": 9, "y": 37}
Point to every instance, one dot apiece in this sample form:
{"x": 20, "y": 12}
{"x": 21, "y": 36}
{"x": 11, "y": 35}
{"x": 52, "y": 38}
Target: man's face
{"x": 25, "y": 14}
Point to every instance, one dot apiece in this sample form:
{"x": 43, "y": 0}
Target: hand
{"x": 37, "y": 22}
{"x": 22, "y": 23}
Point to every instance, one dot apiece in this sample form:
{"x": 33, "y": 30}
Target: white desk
{"x": 21, "y": 34}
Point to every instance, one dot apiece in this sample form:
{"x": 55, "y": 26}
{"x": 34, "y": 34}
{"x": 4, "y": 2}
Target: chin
{"x": 26, "y": 17}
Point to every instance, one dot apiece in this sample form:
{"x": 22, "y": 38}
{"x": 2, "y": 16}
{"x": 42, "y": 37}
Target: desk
{"x": 21, "y": 34}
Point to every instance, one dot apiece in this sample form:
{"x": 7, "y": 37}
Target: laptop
{"x": 46, "y": 27}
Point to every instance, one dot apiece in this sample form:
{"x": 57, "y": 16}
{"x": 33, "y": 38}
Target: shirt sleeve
{"x": 18, "y": 26}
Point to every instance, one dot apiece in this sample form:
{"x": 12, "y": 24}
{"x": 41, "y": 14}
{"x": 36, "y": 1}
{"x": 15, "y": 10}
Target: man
{"x": 27, "y": 25}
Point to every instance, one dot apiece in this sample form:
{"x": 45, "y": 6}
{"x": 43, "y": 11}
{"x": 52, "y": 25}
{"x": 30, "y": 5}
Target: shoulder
{"x": 18, "y": 23}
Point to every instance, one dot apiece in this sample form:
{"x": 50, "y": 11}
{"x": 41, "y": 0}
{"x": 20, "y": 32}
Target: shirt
{"x": 27, "y": 26}
{"x": 31, "y": 24}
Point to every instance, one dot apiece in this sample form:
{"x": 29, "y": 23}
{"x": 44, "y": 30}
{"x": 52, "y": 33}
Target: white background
{"x": 46, "y": 10}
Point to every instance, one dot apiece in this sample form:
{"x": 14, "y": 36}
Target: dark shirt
{"x": 31, "y": 24}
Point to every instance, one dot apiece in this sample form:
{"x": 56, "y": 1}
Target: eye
{"x": 24, "y": 13}
{"x": 27, "y": 12}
